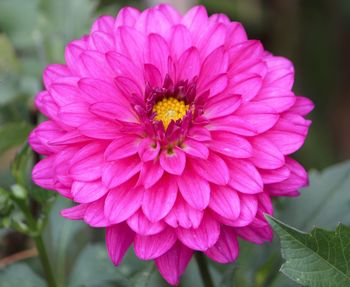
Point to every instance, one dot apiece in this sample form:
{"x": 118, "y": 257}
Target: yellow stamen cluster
{"x": 170, "y": 109}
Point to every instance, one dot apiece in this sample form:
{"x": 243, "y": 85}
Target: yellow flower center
{"x": 170, "y": 109}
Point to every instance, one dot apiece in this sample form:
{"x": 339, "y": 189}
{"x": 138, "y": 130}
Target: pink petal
{"x": 233, "y": 124}
{"x": 95, "y": 216}
{"x": 113, "y": 111}
{"x": 54, "y": 72}
{"x": 127, "y": 16}
{"x": 150, "y": 173}
{"x": 225, "y": 201}
{"x": 153, "y": 246}
{"x": 131, "y": 43}
{"x": 173, "y": 263}
{"x": 274, "y": 175}
{"x": 75, "y": 213}
{"x": 302, "y": 106}
{"x": 265, "y": 154}
{"x": 214, "y": 169}
{"x": 159, "y": 199}
{"x": 148, "y": 149}
{"x": 280, "y": 72}
{"x": 142, "y": 226}
{"x": 84, "y": 192}
{"x": 101, "y": 42}
{"x": 188, "y": 65}
{"x": 75, "y": 114}
{"x": 157, "y": 53}
{"x": 194, "y": 189}
{"x": 100, "y": 129}
{"x": 195, "y": 19}
{"x": 122, "y": 147}
{"x": 173, "y": 162}
{"x": 199, "y": 134}
{"x": 248, "y": 211}
{"x": 222, "y": 105}
{"x": 247, "y": 86}
{"x": 244, "y": 177}
{"x": 104, "y": 24}
{"x": 95, "y": 65}
{"x": 257, "y": 235}
{"x": 184, "y": 215}
{"x": 201, "y": 238}
{"x": 170, "y": 13}
{"x": 152, "y": 75}
{"x": 118, "y": 239}
{"x": 179, "y": 40}
{"x": 230, "y": 145}
{"x": 195, "y": 149}
{"x": 235, "y": 34}
{"x": 117, "y": 172}
{"x": 226, "y": 249}
{"x": 122, "y": 202}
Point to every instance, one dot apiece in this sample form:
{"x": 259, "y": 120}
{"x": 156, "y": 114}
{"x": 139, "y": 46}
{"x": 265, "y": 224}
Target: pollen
{"x": 170, "y": 109}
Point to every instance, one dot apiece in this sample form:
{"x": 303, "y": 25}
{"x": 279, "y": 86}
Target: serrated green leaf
{"x": 319, "y": 258}
{"x": 13, "y": 134}
{"x": 324, "y": 203}
{"x": 20, "y": 274}
{"x": 93, "y": 268}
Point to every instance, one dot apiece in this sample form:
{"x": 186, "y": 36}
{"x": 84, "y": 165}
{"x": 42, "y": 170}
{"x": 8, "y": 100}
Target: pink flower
{"x": 172, "y": 132}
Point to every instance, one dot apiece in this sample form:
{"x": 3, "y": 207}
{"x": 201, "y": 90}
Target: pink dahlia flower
{"x": 172, "y": 132}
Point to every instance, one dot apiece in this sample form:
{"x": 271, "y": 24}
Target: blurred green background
{"x": 314, "y": 34}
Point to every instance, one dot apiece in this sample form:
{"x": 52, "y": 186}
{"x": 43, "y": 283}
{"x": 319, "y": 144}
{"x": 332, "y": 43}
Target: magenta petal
{"x": 113, "y": 111}
{"x": 274, "y": 175}
{"x": 201, "y": 238}
{"x": 156, "y": 52}
{"x": 179, "y": 40}
{"x": 302, "y": 106}
{"x": 256, "y": 234}
{"x": 174, "y": 262}
{"x": 150, "y": 173}
{"x": 249, "y": 208}
{"x": 84, "y": 192}
{"x": 226, "y": 249}
{"x": 194, "y": 189}
{"x": 225, "y": 201}
{"x": 173, "y": 162}
{"x": 222, "y": 105}
{"x": 117, "y": 172}
{"x": 188, "y": 66}
{"x": 43, "y": 174}
{"x": 265, "y": 154}
{"x": 244, "y": 176}
{"x": 195, "y": 149}
{"x": 142, "y": 226}
{"x": 118, "y": 239}
{"x": 184, "y": 215}
{"x": 75, "y": 213}
{"x": 122, "y": 147}
{"x": 159, "y": 199}
{"x": 230, "y": 145}
{"x": 95, "y": 216}
{"x": 148, "y": 149}
{"x": 122, "y": 202}
{"x": 214, "y": 169}
{"x": 153, "y": 246}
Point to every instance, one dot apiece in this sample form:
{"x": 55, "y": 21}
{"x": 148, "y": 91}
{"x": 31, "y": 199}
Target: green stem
{"x": 204, "y": 270}
{"x": 45, "y": 260}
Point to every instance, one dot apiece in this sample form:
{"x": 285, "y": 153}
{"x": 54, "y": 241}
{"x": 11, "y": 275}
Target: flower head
{"x": 172, "y": 132}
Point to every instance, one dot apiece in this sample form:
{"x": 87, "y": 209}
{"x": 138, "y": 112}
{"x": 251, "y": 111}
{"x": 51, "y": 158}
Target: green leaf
{"x": 93, "y": 267}
{"x": 8, "y": 59}
{"x": 324, "y": 203}
{"x": 320, "y": 258}
{"x": 64, "y": 240}
{"x": 18, "y": 19}
{"x": 13, "y": 134}
{"x": 20, "y": 274}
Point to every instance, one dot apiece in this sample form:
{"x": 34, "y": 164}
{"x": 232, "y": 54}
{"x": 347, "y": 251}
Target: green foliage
{"x": 320, "y": 258}
{"x": 20, "y": 274}
{"x": 95, "y": 259}
{"x": 13, "y": 134}
{"x": 324, "y": 203}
